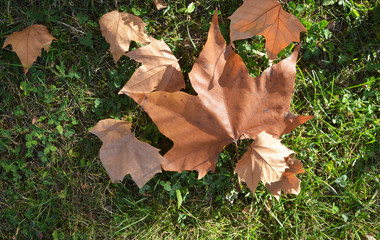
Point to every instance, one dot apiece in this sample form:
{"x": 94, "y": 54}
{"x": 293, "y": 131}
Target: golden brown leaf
{"x": 160, "y": 70}
{"x": 119, "y": 29}
{"x": 28, "y": 44}
{"x": 267, "y": 18}
{"x": 160, "y": 4}
{"x": 230, "y": 105}
{"x": 264, "y": 161}
{"x": 122, "y": 153}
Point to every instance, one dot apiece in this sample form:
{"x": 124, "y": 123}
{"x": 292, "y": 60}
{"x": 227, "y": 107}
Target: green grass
{"x": 52, "y": 184}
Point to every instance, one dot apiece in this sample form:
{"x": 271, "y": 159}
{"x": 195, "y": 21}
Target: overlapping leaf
{"x": 119, "y": 29}
{"x": 28, "y": 43}
{"x": 122, "y": 153}
{"x": 264, "y": 161}
{"x": 288, "y": 182}
{"x": 160, "y": 70}
{"x": 267, "y": 18}
{"x": 230, "y": 105}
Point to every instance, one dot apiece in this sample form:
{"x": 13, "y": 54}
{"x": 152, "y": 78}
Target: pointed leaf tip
{"x": 295, "y": 52}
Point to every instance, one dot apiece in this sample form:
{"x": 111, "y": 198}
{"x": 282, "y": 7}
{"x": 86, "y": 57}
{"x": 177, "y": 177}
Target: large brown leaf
{"x": 288, "y": 182}
{"x": 119, "y": 29}
{"x": 122, "y": 153}
{"x": 28, "y": 44}
{"x": 266, "y": 17}
{"x": 230, "y": 105}
{"x": 264, "y": 161}
{"x": 160, "y": 70}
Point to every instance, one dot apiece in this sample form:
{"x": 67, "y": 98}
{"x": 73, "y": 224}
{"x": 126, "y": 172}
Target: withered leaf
{"x": 264, "y": 161}
{"x": 230, "y": 105}
{"x": 119, "y": 29}
{"x": 288, "y": 182}
{"x": 160, "y": 70}
{"x": 160, "y": 4}
{"x": 28, "y": 43}
{"x": 267, "y": 18}
{"x": 122, "y": 153}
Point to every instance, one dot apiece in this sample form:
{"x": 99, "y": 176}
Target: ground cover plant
{"x": 53, "y": 185}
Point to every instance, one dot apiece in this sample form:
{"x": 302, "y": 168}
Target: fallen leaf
{"x": 122, "y": 153}
{"x": 34, "y": 120}
{"x": 267, "y": 18}
{"x": 264, "y": 161}
{"x": 160, "y": 70}
{"x": 230, "y": 105}
{"x": 28, "y": 44}
{"x": 288, "y": 182}
{"x": 119, "y": 29}
{"x": 160, "y": 4}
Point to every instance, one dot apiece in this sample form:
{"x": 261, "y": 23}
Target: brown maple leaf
{"x": 288, "y": 182}
{"x": 230, "y": 105}
{"x": 264, "y": 161}
{"x": 28, "y": 44}
{"x": 160, "y": 4}
{"x": 119, "y": 29}
{"x": 267, "y": 18}
{"x": 160, "y": 70}
{"x": 122, "y": 153}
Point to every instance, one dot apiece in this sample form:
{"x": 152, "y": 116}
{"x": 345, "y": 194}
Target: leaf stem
{"x": 237, "y": 184}
{"x": 237, "y": 151}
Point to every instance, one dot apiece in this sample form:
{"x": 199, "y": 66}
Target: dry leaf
{"x": 28, "y": 44}
{"x": 230, "y": 105}
{"x": 160, "y": 70}
{"x": 160, "y": 4}
{"x": 34, "y": 120}
{"x": 120, "y": 29}
{"x": 122, "y": 153}
{"x": 264, "y": 161}
{"x": 267, "y": 18}
{"x": 288, "y": 182}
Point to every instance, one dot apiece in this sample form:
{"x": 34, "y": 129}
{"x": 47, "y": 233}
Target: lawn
{"x": 53, "y": 185}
